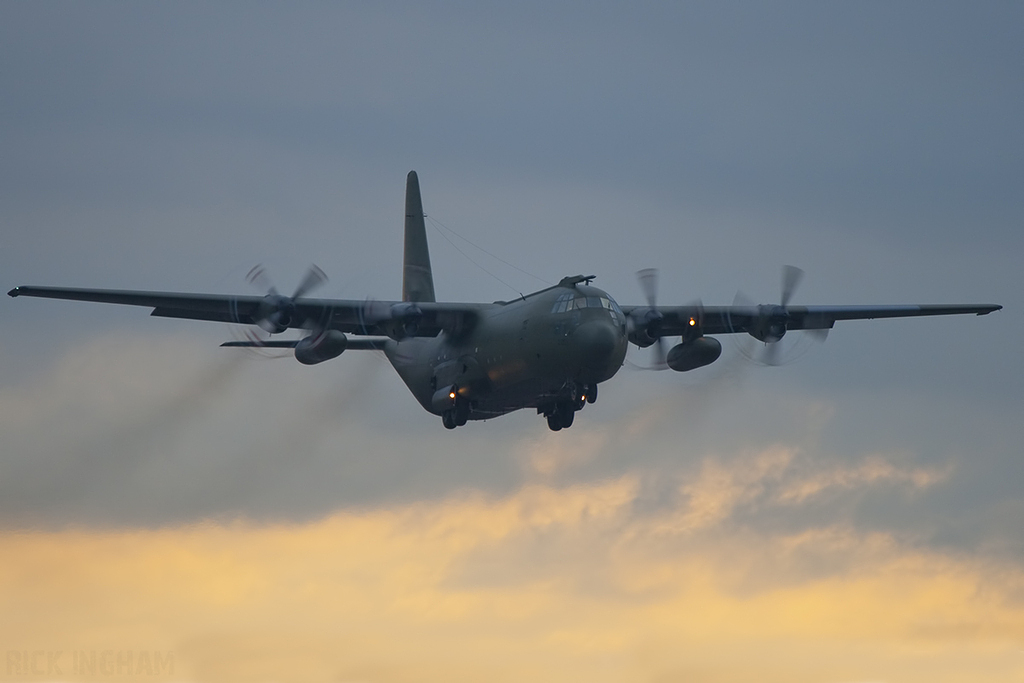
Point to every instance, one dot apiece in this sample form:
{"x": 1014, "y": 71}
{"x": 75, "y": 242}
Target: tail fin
{"x": 417, "y": 280}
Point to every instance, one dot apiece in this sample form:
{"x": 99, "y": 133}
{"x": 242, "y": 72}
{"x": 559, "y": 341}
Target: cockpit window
{"x": 562, "y": 303}
{"x": 567, "y": 302}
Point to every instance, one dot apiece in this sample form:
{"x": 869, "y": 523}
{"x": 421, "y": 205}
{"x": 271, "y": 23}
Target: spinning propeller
{"x": 276, "y": 312}
{"x": 771, "y": 321}
{"x": 644, "y": 325}
{"x": 650, "y": 322}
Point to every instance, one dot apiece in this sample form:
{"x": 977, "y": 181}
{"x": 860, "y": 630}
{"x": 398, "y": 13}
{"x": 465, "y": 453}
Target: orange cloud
{"x": 543, "y": 584}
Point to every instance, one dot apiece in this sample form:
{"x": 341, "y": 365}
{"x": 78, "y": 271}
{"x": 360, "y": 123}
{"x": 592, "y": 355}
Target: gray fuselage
{"x": 526, "y": 353}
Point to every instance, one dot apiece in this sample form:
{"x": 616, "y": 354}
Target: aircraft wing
{"x": 369, "y": 317}
{"x": 731, "y": 319}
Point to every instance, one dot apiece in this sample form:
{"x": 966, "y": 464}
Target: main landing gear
{"x": 457, "y": 415}
{"x": 560, "y": 414}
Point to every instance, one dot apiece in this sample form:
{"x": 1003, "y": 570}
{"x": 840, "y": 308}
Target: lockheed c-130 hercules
{"x": 548, "y": 350}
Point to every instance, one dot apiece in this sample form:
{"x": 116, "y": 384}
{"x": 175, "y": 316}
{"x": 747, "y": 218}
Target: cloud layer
{"x": 544, "y": 583}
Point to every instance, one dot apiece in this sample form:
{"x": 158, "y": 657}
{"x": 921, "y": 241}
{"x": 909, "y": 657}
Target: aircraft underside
{"x": 459, "y": 382}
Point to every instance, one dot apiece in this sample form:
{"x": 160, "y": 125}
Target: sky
{"x": 178, "y": 511}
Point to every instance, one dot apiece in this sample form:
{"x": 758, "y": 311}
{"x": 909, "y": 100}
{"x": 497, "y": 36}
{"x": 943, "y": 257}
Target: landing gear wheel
{"x": 461, "y": 413}
{"x": 566, "y": 415}
{"x": 448, "y": 419}
{"x": 561, "y": 416}
{"x": 592, "y": 393}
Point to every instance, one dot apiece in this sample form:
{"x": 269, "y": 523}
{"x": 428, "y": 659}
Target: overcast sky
{"x": 863, "y": 502}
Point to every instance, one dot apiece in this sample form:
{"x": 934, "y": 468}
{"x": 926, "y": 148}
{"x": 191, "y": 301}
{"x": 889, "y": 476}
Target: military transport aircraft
{"x": 547, "y": 350}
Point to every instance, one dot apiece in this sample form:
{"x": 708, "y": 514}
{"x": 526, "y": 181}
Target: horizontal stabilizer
{"x": 271, "y": 344}
{"x": 358, "y": 344}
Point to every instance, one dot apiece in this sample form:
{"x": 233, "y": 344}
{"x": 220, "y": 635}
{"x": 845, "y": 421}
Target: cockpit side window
{"x": 562, "y": 304}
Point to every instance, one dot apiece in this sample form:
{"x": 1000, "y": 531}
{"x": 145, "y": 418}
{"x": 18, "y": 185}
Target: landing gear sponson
{"x": 559, "y": 414}
{"x": 457, "y": 415}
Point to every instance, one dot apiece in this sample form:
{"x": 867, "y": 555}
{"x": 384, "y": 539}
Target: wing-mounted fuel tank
{"x": 316, "y": 348}
{"x": 694, "y": 353}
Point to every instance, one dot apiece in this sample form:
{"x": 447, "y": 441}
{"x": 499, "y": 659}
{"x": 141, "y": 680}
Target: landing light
{"x": 693, "y": 322}
{"x": 451, "y": 395}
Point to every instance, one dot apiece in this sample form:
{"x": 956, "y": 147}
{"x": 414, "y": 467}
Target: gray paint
{"x": 417, "y": 281}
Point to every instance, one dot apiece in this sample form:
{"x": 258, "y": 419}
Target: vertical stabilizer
{"x": 417, "y": 280}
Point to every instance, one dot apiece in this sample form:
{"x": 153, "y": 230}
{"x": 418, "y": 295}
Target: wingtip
{"x": 14, "y": 292}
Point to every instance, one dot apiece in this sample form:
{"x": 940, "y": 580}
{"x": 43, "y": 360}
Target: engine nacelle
{"x": 694, "y": 354}
{"x": 317, "y": 348}
{"x": 644, "y": 326}
{"x": 275, "y": 313}
{"x": 405, "y": 320}
{"x": 770, "y": 325}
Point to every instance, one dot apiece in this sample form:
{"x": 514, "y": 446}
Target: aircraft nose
{"x": 595, "y": 342}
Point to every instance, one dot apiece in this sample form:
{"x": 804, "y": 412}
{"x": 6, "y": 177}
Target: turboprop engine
{"x": 770, "y": 324}
{"x": 405, "y": 319}
{"x": 643, "y": 327}
{"x": 694, "y": 354}
{"x": 316, "y": 348}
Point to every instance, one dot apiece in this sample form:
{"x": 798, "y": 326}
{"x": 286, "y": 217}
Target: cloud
{"x": 544, "y": 583}
{"x": 872, "y": 470}
{"x": 141, "y": 431}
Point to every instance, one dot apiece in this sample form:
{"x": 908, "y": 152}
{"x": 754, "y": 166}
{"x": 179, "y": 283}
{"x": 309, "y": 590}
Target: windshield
{"x": 572, "y": 302}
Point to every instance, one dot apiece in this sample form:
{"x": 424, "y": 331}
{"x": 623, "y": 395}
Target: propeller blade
{"x": 259, "y": 279}
{"x": 791, "y": 276}
{"x": 648, "y": 278}
{"x": 744, "y": 303}
{"x": 771, "y": 354}
{"x": 818, "y": 335}
{"x": 699, "y": 305}
{"x": 313, "y": 279}
{"x": 660, "y": 362}
{"x": 794, "y": 344}
{"x": 371, "y": 313}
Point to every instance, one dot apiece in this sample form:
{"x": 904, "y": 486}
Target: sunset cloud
{"x": 543, "y": 584}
